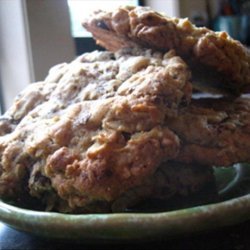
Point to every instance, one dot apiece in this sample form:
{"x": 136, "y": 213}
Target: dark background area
{"x": 85, "y": 44}
{"x": 233, "y": 237}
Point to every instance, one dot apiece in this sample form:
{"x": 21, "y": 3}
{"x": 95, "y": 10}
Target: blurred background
{"x": 37, "y": 34}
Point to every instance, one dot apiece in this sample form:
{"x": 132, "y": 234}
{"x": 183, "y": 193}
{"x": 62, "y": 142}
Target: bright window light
{"x": 81, "y": 9}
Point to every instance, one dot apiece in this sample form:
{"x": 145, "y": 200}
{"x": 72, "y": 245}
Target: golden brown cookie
{"x": 93, "y": 129}
{"x": 219, "y": 63}
{"x": 214, "y": 132}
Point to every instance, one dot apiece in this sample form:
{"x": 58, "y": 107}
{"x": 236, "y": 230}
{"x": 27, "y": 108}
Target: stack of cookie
{"x": 112, "y": 129}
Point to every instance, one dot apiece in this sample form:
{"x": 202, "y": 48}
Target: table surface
{"x": 235, "y": 237}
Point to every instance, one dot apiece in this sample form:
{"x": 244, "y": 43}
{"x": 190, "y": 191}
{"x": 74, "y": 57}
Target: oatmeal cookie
{"x": 214, "y": 132}
{"x": 93, "y": 129}
{"x": 219, "y": 63}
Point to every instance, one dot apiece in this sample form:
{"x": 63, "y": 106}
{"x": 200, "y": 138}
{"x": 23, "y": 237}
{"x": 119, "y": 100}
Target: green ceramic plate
{"x": 234, "y": 190}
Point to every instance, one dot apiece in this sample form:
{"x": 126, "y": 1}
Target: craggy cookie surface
{"x": 214, "y": 132}
{"x": 218, "y": 62}
{"x": 93, "y": 129}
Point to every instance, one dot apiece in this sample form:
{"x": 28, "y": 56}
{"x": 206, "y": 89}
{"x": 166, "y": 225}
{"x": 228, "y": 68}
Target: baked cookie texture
{"x": 224, "y": 61}
{"x": 93, "y": 130}
{"x": 112, "y": 129}
{"x": 213, "y": 132}
{"x": 172, "y": 185}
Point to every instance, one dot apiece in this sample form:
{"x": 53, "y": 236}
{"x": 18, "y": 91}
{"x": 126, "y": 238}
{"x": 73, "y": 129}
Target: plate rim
{"x": 127, "y": 226}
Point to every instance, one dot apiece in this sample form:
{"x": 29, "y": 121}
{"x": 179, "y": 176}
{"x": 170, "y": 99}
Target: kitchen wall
{"x": 15, "y": 56}
{"x": 169, "y": 7}
{"x": 34, "y": 36}
{"x": 50, "y": 36}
